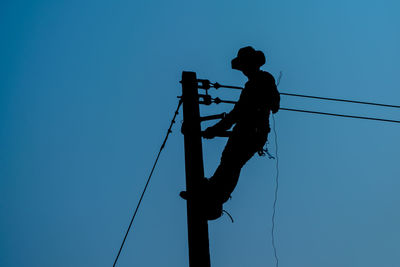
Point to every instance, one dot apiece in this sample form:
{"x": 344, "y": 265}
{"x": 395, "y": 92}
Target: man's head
{"x": 248, "y": 59}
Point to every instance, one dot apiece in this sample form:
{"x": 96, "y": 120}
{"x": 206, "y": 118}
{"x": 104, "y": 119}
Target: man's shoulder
{"x": 266, "y": 75}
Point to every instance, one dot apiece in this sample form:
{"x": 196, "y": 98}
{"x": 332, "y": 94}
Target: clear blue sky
{"x": 87, "y": 91}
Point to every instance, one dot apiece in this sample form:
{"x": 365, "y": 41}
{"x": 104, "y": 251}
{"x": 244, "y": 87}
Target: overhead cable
{"x": 342, "y": 100}
{"x": 339, "y": 115}
{"x": 217, "y": 85}
{"x": 218, "y": 100}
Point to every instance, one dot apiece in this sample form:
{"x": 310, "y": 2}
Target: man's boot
{"x": 207, "y": 199}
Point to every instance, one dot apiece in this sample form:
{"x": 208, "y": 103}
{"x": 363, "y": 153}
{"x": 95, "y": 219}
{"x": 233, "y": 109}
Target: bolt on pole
{"x": 199, "y": 252}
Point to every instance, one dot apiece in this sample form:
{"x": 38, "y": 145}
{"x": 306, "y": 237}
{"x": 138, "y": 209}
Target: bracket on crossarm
{"x": 217, "y": 86}
{"x": 204, "y": 84}
{"x": 205, "y": 99}
{"x": 221, "y": 134}
{"x": 213, "y": 117}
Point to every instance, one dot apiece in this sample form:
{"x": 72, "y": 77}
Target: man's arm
{"x": 225, "y": 123}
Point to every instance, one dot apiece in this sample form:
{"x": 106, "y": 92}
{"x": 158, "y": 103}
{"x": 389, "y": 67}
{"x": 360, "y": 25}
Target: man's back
{"x": 257, "y": 99}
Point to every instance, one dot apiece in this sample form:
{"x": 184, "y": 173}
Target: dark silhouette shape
{"x": 250, "y": 116}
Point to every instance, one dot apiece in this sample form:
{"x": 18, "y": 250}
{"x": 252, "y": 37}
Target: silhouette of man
{"x": 251, "y": 118}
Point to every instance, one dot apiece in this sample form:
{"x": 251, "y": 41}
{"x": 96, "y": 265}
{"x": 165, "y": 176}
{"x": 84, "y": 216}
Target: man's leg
{"x": 217, "y": 190}
{"x": 236, "y": 153}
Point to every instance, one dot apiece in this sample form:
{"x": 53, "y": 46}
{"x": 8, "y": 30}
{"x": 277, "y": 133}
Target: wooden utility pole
{"x": 199, "y": 252}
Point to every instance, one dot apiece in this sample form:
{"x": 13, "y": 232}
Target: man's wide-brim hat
{"x": 248, "y": 57}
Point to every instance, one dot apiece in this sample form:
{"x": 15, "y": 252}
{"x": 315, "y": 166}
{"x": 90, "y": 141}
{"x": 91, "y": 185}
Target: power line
{"x": 342, "y": 100}
{"x": 339, "y": 115}
{"x": 148, "y": 180}
{"x": 217, "y": 85}
{"x": 217, "y": 101}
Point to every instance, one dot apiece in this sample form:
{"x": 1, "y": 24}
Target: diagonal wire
{"x": 148, "y": 180}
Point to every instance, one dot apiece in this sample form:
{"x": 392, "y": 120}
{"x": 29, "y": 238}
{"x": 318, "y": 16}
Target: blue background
{"x": 87, "y": 91}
